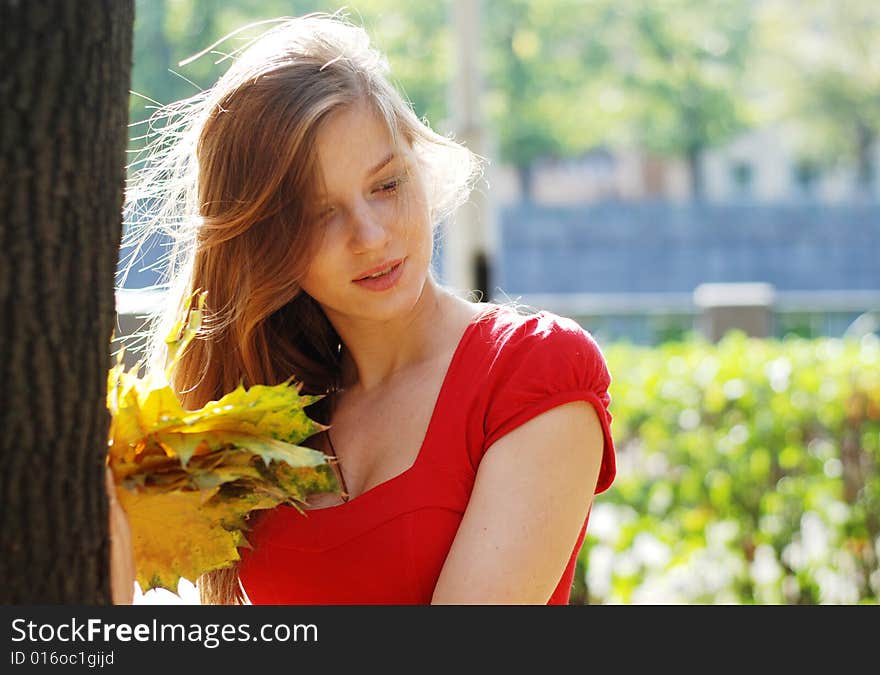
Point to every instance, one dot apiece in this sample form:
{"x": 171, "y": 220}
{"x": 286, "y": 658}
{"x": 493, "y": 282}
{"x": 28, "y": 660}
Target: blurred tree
{"x": 682, "y": 64}
{"x": 150, "y": 44}
{"x": 565, "y": 76}
{"x": 62, "y": 148}
{"x": 824, "y": 59}
{"x": 546, "y": 80}
{"x": 167, "y": 32}
{"x": 547, "y": 94}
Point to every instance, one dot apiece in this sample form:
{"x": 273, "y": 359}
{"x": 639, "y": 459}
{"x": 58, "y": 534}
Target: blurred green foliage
{"x": 682, "y": 66}
{"x": 748, "y": 472}
{"x": 821, "y": 57}
{"x": 563, "y": 77}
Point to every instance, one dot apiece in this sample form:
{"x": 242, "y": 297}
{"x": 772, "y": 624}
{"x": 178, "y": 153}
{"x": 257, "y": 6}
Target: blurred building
{"x": 765, "y": 166}
{"x": 597, "y": 176}
{"x": 762, "y": 165}
{"x": 615, "y": 240}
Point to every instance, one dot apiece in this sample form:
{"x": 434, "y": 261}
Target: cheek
{"x": 321, "y": 271}
{"x": 419, "y": 200}
{"x": 417, "y": 217}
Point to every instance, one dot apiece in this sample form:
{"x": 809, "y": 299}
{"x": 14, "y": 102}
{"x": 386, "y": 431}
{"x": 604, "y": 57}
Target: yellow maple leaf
{"x": 179, "y": 534}
{"x": 188, "y": 479}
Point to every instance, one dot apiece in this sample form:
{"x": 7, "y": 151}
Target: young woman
{"x": 470, "y": 437}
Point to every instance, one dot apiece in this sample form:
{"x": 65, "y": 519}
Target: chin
{"x": 385, "y": 309}
{"x": 383, "y": 306}
{"x": 387, "y": 306}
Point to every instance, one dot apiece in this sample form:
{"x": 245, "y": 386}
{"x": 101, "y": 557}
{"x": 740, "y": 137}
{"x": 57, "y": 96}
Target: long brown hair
{"x": 229, "y": 174}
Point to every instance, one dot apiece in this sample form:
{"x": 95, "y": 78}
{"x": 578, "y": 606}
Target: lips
{"x": 383, "y": 283}
{"x": 379, "y": 268}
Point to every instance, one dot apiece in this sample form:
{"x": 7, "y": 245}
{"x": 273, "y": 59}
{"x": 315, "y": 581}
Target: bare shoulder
{"x": 465, "y": 311}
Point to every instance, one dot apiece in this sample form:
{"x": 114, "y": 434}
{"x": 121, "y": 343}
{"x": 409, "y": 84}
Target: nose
{"x": 368, "y": 228}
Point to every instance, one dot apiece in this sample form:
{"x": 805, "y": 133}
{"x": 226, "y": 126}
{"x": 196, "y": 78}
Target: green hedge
{"x": 747, "y": 473}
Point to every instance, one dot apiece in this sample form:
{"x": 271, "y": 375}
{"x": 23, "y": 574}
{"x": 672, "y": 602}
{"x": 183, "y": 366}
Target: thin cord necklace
{"x": 339, "y": 473}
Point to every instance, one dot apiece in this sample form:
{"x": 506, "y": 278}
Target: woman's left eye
{"x": 389, "y": 186}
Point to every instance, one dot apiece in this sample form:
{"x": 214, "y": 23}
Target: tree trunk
{"x": 63, "y": 133}
{"x": 695, "y": 168}
{"x": 526, "y": 177}
{"x": 865, "y": 139}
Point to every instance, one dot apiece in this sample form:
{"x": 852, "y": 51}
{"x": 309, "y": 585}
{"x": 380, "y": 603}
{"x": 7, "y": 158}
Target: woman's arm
{"x": 122, "y": 572}
{"x": 532, "y": 493}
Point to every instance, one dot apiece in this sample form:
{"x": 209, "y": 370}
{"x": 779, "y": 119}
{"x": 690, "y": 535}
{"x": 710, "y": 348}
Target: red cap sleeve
{"x": 547, "y": 361}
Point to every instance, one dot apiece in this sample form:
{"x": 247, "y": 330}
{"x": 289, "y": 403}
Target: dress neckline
{"x": 419, "y": 458}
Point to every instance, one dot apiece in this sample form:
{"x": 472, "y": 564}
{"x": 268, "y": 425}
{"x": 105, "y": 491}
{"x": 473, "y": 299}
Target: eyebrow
{"x": 381, "y": 165}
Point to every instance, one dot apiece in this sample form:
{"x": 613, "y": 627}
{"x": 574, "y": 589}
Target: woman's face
{"x": 372, "y": 211}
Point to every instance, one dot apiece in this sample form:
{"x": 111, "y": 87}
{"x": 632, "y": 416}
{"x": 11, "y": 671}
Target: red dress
{"x": 388, "y": 545}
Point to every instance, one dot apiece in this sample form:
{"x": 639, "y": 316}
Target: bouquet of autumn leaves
{"x": 187, "y": 479}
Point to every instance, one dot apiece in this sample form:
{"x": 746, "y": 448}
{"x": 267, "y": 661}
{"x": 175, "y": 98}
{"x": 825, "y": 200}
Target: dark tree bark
{"x": 63, "y": 131}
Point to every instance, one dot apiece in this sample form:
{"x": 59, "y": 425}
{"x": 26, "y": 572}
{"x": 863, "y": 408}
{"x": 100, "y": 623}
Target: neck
{"x": 374, "y": 352}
